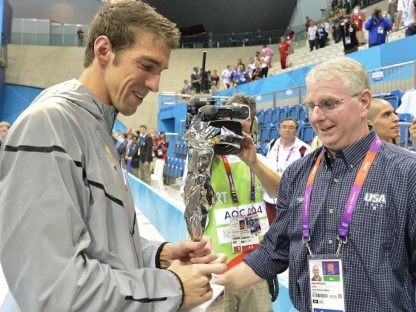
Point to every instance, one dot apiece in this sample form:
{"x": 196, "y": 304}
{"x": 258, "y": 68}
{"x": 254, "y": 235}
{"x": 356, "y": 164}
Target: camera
{"x": 202, "y": 106}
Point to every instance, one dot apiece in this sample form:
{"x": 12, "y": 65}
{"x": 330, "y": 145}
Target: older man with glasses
{"x": 282, "y": 152}
{"x": 338, "y": 210}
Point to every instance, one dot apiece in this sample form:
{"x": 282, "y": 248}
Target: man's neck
{"x": 287, "y": 142}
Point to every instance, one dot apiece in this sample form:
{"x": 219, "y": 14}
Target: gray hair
{"x": 242, "y": 98}
{"x": 351, "y": 73}
{"x": 5, "y": 124}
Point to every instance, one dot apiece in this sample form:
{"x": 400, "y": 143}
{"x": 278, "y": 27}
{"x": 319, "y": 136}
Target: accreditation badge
{"x": 326, "y": 283}
{"x": 245, "y": 231}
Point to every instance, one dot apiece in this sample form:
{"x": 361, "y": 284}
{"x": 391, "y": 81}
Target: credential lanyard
{"x": 352, "y": 198}
{"x": 288, "y": 156}
{"x": 231, "y": 181}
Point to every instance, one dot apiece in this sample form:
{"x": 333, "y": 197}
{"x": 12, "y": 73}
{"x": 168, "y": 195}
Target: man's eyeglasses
{"x": 326, "y": 105}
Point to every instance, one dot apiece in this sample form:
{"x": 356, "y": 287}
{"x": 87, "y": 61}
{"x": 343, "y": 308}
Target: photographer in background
{"x": 408, "y": 9}
{"x": 377, "y": 27}
{"x": 349, "y": 35}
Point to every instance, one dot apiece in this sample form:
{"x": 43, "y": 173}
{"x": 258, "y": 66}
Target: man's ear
{"x": 365, "y": 99}
{"x": 102, "y": 50}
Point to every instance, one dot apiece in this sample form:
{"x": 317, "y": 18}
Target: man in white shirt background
{"x": 407, "y": 8}
{"x": 281, "y": 153}
{"x": 225, "y": 75}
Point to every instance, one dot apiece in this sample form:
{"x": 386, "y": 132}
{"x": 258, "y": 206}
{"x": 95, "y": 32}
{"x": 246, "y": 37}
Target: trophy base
{"x": 215, "y": 304}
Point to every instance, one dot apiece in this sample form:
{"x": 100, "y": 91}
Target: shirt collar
{"x": 353, "y": 154}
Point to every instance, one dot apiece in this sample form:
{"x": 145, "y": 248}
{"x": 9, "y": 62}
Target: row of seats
{"x": 173, "y": 169}
{"x": 181, "y": 149}
{"x": 274, "y": 115}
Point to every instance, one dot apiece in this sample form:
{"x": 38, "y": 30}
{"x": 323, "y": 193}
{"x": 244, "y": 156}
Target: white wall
{"x": 311, "y": 8}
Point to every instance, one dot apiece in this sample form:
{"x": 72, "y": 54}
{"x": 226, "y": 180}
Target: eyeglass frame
{"x": 307, "y": 107}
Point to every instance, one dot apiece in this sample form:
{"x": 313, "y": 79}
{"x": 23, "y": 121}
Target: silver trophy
{"x": 208, "y": 134}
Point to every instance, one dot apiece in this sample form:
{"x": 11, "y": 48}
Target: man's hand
{"x": 146, "y": 164}
{"x": 190, "y": 252}
{"x": 195, "y": 280}
{"x": 248, "y": 152}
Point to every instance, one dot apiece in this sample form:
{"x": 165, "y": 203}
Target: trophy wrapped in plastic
{"x": 205, "y": 138}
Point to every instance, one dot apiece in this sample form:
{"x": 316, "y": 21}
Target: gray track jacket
{"x": 68, "y": 234}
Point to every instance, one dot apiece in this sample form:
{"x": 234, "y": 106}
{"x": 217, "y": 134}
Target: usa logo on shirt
{"x": 375, "y": 200}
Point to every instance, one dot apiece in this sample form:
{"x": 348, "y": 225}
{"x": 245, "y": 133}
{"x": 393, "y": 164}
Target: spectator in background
{"x": 326, "y": 27}
{"x": 186, "y": 89}
{"x": 210, "y": 40}
{"x": 347, "y": 6}
{"x": 246, "y": 39}
{"x": 242, "y": 75}
{"x": 282, "y": 152}
{"x": 336, "y": 28}
{"x": 392, "y": 11}
{"x": 80, "y": 34}
{"x": 233, "y": 39}
{"x": 307, "y": 25}
{"x": 382, "y": 118}
{"x": 153, "y": 134}
{"x": 408, "y": 9}
{"x": 252, "y": 64}
{"x": 4, "y": 127}
{"x": 215, "y": 81}
{"x": 196, "y": 81}
{"x": 225, "y": 75}
{"x": 161, "y": 147}
{"x": 256, "y": 72}
{"x": 312, "y": 36}
{"x": 134, "y": 158}
{"x": 265, "y": 61}
{"x": 358, "y": 17}
{"x": 290, "y": 35}
{"x": 144, "y": 149}
{"x": 284, "y": 49}
{"x": 258, "y": 37}
{"x": 322, "y": 35}
{"x": 128, "y": 147}
{"x": 377, "y": 27}
{"x": 269, "y": 52}
{"x": 349, "y": 37}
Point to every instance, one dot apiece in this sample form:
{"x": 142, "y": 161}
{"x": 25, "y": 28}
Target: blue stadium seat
{"x": 405, "y": 117}
{"x": 404, "y": 130}
{"x": 393, "y": 99}
{"x": 303, "y": 115}
{"x": 273, "y": 133}
{"x": 177, "y": 148}
{"x": 268, "y": 116}
{"x": 399, "y": 93}
{"x": 294, "y": 111}
{"x": 299, "y": 133}
{"x": 260, "y": 116}
{"x": 275, "y": 115}
{"x": 264, "y": 132}
{"x": 284, "y": 112}
{"x": 307, "y": 133}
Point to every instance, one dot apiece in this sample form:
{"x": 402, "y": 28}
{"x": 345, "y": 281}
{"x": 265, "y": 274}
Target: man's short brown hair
{"x": 122, "y": 20}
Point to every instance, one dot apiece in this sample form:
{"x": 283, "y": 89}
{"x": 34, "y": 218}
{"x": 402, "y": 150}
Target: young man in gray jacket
{"x": 69, "y": 236}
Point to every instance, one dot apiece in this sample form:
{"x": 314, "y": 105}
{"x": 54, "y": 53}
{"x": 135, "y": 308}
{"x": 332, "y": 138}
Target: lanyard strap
{"x": 288, "y": 156}
{"x": 352, "y": 198}
{"x": 231, "y": 181}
